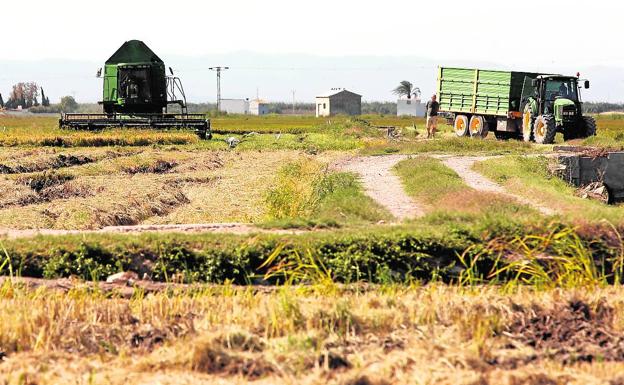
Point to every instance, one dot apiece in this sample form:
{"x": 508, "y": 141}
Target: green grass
{"x": 301, "y": 124}
{"x": 306, "y": 192}
{"x": 529, "y": 176}
{"x": 343, "y": 200}
{"x": 448, "y": 143}
{"x": 340, "y": 132}
{"x": 308, "y": 142}
{"x": 427, "y": 179}
{"x": 447, "y": 199}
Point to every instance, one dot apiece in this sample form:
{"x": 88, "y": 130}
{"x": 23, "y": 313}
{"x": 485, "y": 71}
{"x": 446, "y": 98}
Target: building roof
{"x": 336, "y": 91}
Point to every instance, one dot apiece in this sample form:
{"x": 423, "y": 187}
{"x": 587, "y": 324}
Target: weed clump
{"x": 295, "y": 193}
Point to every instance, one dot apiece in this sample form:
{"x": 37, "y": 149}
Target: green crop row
{"x": 556, "y": 255}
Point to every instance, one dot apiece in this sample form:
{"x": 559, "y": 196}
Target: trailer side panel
{"x": 482, "y": 92}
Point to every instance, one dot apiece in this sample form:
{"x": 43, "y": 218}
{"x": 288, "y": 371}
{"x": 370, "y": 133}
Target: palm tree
{"x": 406, "y": 88}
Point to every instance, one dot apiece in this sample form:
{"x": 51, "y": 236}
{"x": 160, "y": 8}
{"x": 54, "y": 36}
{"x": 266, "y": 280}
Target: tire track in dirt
{"x": 382, "y": 185}
{"x": 462, "y": 165}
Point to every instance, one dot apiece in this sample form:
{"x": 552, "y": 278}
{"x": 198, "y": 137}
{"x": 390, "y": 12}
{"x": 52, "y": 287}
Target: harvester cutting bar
{"x": 198, "y": 122}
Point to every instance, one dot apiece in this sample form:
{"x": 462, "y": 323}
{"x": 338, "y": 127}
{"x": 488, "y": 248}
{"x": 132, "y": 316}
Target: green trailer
{"x": 512, "y": 104}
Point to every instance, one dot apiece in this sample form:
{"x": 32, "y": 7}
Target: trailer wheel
{"x": 478, "y": 127}
{"x": 544, "y": 129}
{"x": 461, "y": 125}
{"x": 527, "y": 123}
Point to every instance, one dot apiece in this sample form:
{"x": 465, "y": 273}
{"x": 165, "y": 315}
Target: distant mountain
{"x": 274, "y": 76}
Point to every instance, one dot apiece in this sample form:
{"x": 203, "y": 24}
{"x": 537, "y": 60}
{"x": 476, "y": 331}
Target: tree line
{"x": 29, "y": 95}
{"x": 598, "y": 107}
{"x": 25, "y": 95}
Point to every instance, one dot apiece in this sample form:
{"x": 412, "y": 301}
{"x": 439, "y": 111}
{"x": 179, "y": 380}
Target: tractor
{"x": 552, "y": 103}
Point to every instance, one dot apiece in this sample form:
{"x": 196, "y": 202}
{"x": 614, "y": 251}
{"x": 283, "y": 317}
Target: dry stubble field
{"x": 482, "y": 289}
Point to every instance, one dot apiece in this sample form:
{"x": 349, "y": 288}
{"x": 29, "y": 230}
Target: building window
{"x": 324, "y": 106}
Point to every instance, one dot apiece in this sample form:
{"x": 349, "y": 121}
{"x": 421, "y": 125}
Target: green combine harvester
{"x": 138, "y": 93}
{"x": 525, "y": 105}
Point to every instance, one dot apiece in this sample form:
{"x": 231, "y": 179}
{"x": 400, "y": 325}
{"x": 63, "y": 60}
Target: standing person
{"x": 432, "y": 107}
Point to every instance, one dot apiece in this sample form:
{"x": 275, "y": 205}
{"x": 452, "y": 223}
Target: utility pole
{"x": 218, "y": 70}
{"x": 293, "y": 108}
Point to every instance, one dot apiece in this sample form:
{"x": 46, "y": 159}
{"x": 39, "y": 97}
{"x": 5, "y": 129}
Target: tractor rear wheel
{"x": 527, "y": 123}
{"x": 589, "y": 126}
{"x": 478, "y": 127}
{"x": 460, "y": 126}
{"x": 545, "y": 129}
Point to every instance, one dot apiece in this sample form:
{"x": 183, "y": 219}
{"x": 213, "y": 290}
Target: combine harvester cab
{"x": 521, "y": 105}
{"x": 137, "y": 93}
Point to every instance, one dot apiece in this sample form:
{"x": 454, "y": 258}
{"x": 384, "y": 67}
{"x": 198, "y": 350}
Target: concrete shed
{"x": 410, "y": 107}
{"x": 338, "y": 101}
{"x": 258, "y": 107}
{"x": 235, "y": 106}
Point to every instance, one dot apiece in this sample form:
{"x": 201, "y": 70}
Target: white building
{"x": 410, "y": 107}
{"x": 258, "y": 107}
{"x": 338, "y": 101}
{"x": 235, "y": 106}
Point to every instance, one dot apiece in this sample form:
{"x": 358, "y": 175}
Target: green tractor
{"x": 552, "y": 103}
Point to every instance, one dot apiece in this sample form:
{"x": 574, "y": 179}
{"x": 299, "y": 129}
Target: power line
{"x": 218, "y": 69}
{"x": 329, "y": 69}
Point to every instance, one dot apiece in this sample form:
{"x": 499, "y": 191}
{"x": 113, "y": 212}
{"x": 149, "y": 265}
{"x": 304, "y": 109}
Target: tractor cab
{"x": 559, "y": 95}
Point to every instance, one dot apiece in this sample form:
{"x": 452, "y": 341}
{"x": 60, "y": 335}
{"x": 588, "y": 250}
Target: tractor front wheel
{"x": 544, "y": 129}
{"x": 460, "y": 126}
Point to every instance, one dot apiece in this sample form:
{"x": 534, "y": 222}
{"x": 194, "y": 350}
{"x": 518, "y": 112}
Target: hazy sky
{"x": 529, "y": 35}
{"x": 523, "y": 32}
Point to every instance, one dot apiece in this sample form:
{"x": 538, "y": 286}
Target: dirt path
{"x": 462, "y": 165}
{"x": 230, "y": 228}
{"x": 383, "y": 185}
{"x": 380, "y": 183}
